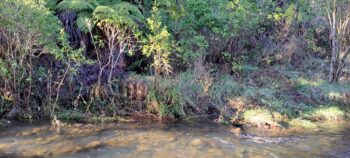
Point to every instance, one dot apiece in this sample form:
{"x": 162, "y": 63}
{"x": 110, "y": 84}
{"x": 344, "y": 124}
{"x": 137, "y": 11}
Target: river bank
{"x": 261, "y": 98}
{"x": 174, "y": 139}
{"x": 251, "y": 119}
{"x": 80, "y": 62}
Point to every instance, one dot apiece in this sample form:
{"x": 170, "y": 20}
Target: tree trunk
{"x": 333, "y": 56}
{"x": 334, "y": 53}
{"x": 341, "y": 64}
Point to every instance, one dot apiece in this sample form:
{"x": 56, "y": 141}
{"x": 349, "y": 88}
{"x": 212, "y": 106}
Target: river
{"x": 167, "y": 140}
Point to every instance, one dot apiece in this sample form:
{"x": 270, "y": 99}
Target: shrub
{"x": 167, "y": 99}
{"x": 224, "y": 89}
{"x": 158, "y": 44}
{"x": 31, "y": 30}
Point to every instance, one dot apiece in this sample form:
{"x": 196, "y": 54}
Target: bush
{"x": 226, "y": 87}
{"x": 31, "y": 30}
{"x": 167, "y": 99}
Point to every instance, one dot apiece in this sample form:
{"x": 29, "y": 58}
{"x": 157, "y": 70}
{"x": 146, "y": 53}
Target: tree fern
{"x": 121, "y": 14}
{"x": 50, "y": 4}
{"x": 104, "y": 13}
{"x": 75, "y": 5}
{"x": 128, "y": 10}
{"x": 108, "y": 2}
{"x": 83, "y": 20}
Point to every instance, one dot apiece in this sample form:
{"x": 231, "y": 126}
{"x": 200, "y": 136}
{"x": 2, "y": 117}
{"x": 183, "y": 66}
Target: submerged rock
{"x": 196, "y": 142}
{"x": 5, "y": 123}
{"x": 56, "y": 122}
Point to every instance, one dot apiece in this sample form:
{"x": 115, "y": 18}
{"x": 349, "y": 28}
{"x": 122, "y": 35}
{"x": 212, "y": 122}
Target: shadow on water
{"x": 181, "y": 139}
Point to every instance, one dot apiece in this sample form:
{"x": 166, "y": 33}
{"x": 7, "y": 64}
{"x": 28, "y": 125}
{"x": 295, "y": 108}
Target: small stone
{"x": 196, "y": 142}
{"x": 236, "y": 131}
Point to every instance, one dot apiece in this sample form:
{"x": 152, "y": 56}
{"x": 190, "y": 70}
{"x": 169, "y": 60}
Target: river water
{"x": 167, "y": 140}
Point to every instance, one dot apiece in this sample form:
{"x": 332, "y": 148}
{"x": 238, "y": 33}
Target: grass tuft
{"x": 302, "y": 123}
{"x": 328, "y": 114}
{"x": 257, "y": 117}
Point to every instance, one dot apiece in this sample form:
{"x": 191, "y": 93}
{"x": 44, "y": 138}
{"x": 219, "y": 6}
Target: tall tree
{"x": 338, "y": 16}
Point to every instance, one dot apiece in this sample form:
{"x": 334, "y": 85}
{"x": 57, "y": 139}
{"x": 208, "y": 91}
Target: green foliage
{"x": 189, "y": 86}
{"x": 104, "y": 13}
{"x": 122, "y": 16}
{"x": 224, "y": 89}
{"x": 173, "y": 96}
{"x": 116, "y": 12}
{"x": 203, "y": 28}
{"x": 83, "y": 21}
{"x": 332, "y": 113}
{"x": 108, "y": 2}
{"x": 240, "y": 11}
{"x": 75, "y": 5}
{"x": 30, "y": 29}
{"x": 206, "y": 13}
{"x": 169, "y": 97}
{"x": 32, "y": 18}
{"x": 193, "y": 49}
{"x": 158, "y": 44}
{"x": 283, "y": 14}
{"x": 238, "y": 65}
{"x": 257, "y": 117}
{"x": 302, "y": 123}
{"x": 70, "y": 115}
{"x": 218, "y": 44}
{"x": 188, "y": 22}
{"x": 50, "y": 4}
{"x": 39, "y": 27}
{"x": 321, "y": 89}
{"x": 125, "y": 9}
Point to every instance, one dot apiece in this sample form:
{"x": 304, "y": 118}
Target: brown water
{"x": 161, "y": 140}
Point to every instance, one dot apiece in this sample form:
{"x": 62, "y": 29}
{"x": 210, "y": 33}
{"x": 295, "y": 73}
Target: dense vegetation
{"x": 262, "y": 62}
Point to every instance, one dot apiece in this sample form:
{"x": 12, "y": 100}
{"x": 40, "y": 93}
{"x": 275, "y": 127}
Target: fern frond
{"x": 108, "y": 2}
{"x": 83, "y": 21}
{"x": 75, "y": 5}
{"x": 51, "y": 4}
{"x": 94, "y": 3}
{"x": 106, "y": 14}
{"x": 103, "y": 13}
{"x": 122, "y": 16}
{"x": 129, "y": 10}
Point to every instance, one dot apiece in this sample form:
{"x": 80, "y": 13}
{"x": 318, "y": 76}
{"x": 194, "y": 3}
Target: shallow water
{"x": 180, "y": 139}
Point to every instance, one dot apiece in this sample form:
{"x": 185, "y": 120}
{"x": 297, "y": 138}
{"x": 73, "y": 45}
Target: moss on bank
{"x": 79, "y": 116}
{"x": 257, "y": 117}
{"x": 298, "y": 122}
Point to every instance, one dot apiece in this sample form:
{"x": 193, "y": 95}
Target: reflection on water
{"x": 170, "y": 140}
